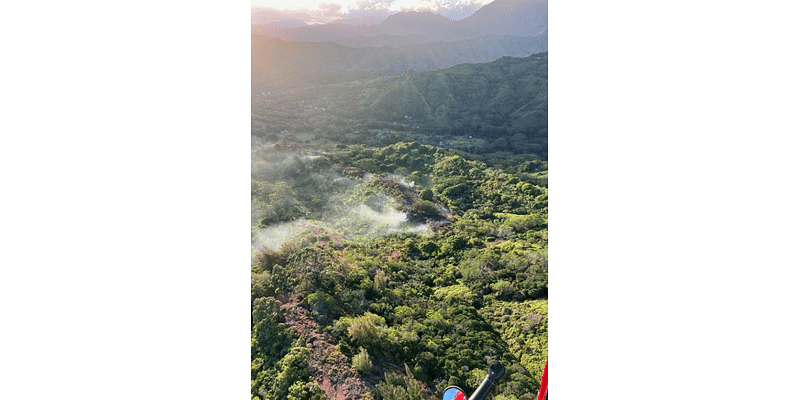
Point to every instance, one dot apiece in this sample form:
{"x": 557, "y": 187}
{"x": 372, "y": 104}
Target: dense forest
{"x": 392, "y": 272}
{"x": 399, "y": 206}
{"x": 499, "y": 106}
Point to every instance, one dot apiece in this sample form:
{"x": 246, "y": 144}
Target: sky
{"x": 345, "y": 8}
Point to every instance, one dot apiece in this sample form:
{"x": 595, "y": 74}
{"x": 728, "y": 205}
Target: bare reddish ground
{"x": 330, "y": 368}
{"x": 334, "y": 237}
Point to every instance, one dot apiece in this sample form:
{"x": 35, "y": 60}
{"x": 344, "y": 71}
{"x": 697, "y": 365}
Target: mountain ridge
{"x": 273, "y": 54}
{"x": 502, "y": 102}
{"x": 501, "y": 17}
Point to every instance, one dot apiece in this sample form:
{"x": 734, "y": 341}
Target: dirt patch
{"x": 330, "y": 369}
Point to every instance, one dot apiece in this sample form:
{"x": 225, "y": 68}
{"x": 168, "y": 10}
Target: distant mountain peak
{"x": 507, "y": 17}
{"x": 413, "y": 23}
{"x": 415, "y": 16}
{"x": 523, "y": 18}
{"x": 412, "y": 13}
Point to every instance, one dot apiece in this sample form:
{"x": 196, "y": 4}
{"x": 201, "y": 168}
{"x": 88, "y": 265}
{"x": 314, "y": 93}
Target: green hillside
{"x": 399, "y": 215}
{"x": 500, "y": 106}
{"x": 349, "y": 301}
{"x": 508, "y": 95}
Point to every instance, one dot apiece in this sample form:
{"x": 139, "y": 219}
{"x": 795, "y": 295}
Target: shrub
{"x": 366, "y": 329}
{"x": 398, "y": 387}
{"x": 322, "y": 305}
{"x": 266, "y": 308}
{"x": 426, "y": 194}
{"x": 361, "y": 362}
{"x": 425, "y": 207}
{"x": 380, "y": 280}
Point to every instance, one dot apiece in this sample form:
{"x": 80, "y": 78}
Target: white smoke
{"x": 364, "y": 222}
{"x": 354, "y": 209}
{"x": 388, "y": 220}
{"x": 274, "y": 236}
{"x": 360, "y": 223}
{"x": 401, "y": 179}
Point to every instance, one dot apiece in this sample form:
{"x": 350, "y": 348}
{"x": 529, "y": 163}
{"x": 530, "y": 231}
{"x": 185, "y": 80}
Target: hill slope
{"x": 398, "y": 315}
{"x": 501, "y": 99}
{"x": 504, "y": 17}
{"x": 270, "y": 54}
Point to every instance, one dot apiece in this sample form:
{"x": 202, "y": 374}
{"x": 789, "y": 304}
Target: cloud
{"x": 365, "y": 6}
{"x": 316, "y": 11}
{"x": 415, "y": 5}
{"x": 330, "y": 9}
{"x": 393, "y": 6}
{"x": 358, "y": 6}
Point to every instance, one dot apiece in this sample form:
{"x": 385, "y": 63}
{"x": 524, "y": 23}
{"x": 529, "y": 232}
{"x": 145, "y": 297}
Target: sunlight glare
{"x": 294, "y": 4}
